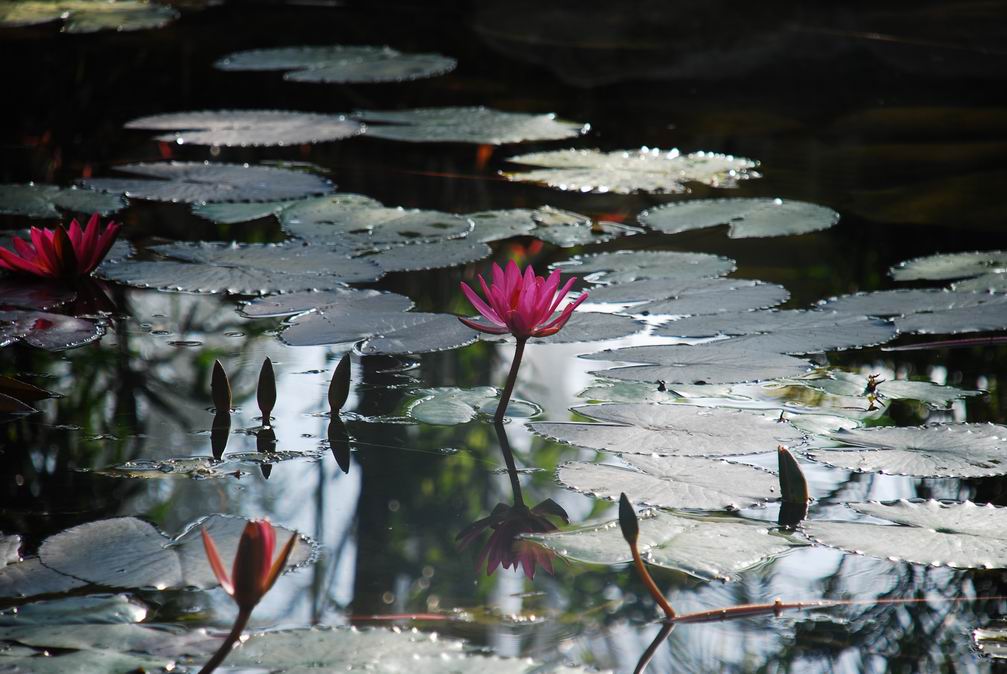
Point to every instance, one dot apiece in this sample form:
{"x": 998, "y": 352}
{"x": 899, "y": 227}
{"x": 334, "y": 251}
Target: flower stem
{"x": 511, "y": 380}
{"x": 645, "y": 576}
{"x": 509, "y": 460}
{"x": 232, "y": 638}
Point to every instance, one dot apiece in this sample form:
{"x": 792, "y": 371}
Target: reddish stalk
{"x": 511, "y": 380}
{"x": 232, "y": 638}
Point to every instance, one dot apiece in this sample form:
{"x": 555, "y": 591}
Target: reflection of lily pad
{"x": 243, "y": 128}
{"x": 466, "y": 125}
{"x": 340, "y": 64}
{"x": 787, "y": 331}
{"x": 674, "y": 482}
{"x": 940, "y": 450}
{"x": 205, "y": 181}
{"x": 130, "y": 553}
{"x": 449, "y": 406}
{"x": 626, "y": 171}
{"x": 625, "y": 266}
{"x": 46, "y": 201}
{"x": 87, "y": 16}
{"x": 671, "y": 430}
{"x": 725, "y": 362}
{"x": 52, "y": 332}
{"x": 959, "y": 535}
{"x": 708, "y": 547}
{"x": 34, "y": 294}
{"x": 746, "y": 217}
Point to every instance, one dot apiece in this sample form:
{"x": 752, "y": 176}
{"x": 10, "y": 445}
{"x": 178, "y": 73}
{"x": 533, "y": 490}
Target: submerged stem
{"x": 225, "y": 648}
{"x": 511, "y": 380}
{"x": 508, "y": 455}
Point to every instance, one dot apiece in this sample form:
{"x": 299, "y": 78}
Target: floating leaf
{"x": 987, "y": 283}
{"x": 671, "y": 430}
{"x": 990, "y": 315}
{"x": 92, "y": 609}
{"x": 339, "y": 387}
{"x": 502, "y": 224}
{"x": 421, "y": 333}
{"x": 552, "y": 225}
{"x": 693, "y": 296}
{"x": 991, "y": 641}
{"x": 130, "y": 553}
{"x": 627, "y": 171}
{"x": 203, "y": 181}
{"x": 423, "y": 256}
{"x": 52, "y": 332}
{"x": 624, "y": 266}
{"x": 903, "y": 302}
{"x": 842, "y": 383}
{"x": 948, "y": 266}
{"x": 218, "y": 466}
{"x": 747, "y": 218}
{"x": 938, "y": 450}
{"x": 90, "y": 661}
{"x": 449, "y": 406}
{"x": 675, "y": 482}
{"x": 585, "y": 326}
{"x": 340, "y": 64}
{"x": 30, "y": 578}
{"x": 724, "y": 362}
{"x": 343, "y": 649}
{"x": 46, "y": 201}
{"x": 265, "y": 390}
{"x": 787, "y": 331}
{"x": 247, "y": 269}
{"x": 87, "y": 16}
{"x": 466, "y": 125}
{"x": 711, "y": 548}
{"x": 355, "y": 223}
{"x": 344, "y": 299}
{"x": 959, "y": 535}
{"x": 243, "y": 128}
{"x": 225, "y": 213}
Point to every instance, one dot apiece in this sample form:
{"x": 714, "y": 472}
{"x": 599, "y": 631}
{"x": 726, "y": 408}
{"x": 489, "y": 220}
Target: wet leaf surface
{"x": 747, "y": 218}
{"x": 243, "y": 128}
{"x": 947, "y": 266}
{"x": 671, "y": 430}
{"x": 340, "y": 64}
{"x": 627, "y": 171}
{"x": 52, "y": 332}
{"x": 344, "y": 302}
{"x": 693, "y": 297}
{"x": 842, "y": 383}
{"x": 86, "y": 16}
{"x": 90, "y": 609}
{"x": 584, "y": 326}
{"x": 47, "y": 201}
{"x": 466, "y": 125}
{"x": 623, "y": 267}
{"x": 449, "y": 406}
{"x": 204, "y": 181}
{"x": 961, "y": 535}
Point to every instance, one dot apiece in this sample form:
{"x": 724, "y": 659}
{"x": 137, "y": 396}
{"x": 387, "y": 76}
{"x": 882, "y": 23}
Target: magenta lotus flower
{"x": 254, "y": 571}
{"x": 521, "y": 304}
{"x": 59, "y": 253}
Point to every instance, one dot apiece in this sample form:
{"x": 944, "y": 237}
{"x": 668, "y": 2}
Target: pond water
{"x": 894, "y": 118}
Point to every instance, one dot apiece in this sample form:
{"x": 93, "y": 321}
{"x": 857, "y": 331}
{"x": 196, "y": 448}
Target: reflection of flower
{"x": 252, "y": 574}
{"x": 504, "y": 548}
{"x": 60, "y": 253}
{"x": 521, "y": 304}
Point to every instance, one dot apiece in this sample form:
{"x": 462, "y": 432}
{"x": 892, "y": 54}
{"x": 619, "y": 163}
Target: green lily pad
{"x": 746, "y": 218}
{"x": 449, "y": 406}
{"x": 466, "y": 125}
{"x": 87, "y": 16}
{"x": 624, "y": 266}
{"x": 244, "y": 128}
{"x": 46, "y": 201}
{"x": 340, "y": 64}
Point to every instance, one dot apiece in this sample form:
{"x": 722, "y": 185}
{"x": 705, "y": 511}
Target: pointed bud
{"x": 339, "y": 388}
{"x": 627, "y": 520}
{"x": 793, "y": 486}
{"x": 265, "y": 393}
{"x": 339, "y": 443}
{"x": 220, "y": 388}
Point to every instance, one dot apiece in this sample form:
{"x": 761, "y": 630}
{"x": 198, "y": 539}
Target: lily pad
{"x": 129, "y": 553}
{"x": 842, "y": 383}
{"x": 584, "y": 326}
{"x": 948, "y": 266}
{"x": 466, "y": 125}
{"x": 79, "y": 662}
{"x": 990, "y": 315}
{"x": 248, "y": 269}
{"x": 46, "y": 201}
{"x": 421, "y": 333}
{"x": 987, "y": 283}
{"x": 959, "y": 535}
{"x": 394, "y": 652}
{"x": 29, "y": 578}
{"x": 91, "y": 609}
{"x": 344, "y": 300}
{"x": 340, "y": 64}
{"x": 52, "y": 332}
{"x": 87, "y": 16}
{"x": 711, "y": 548}
{"x": 747, "y": 218}
{"x": 787, "y": 331}
{"x": 725, "y": 362}
{"x": 938, "y": 450}
{"x": 552, "y": 225}
{"x": 671, "y": 430}
{"x": 627, "y": 171}
{"x": 204, "y": 181}
{"x": 244, "y": 128}
{"x": 431, "y": 255}
{"x": 903, "y": 302}
{"x": 694, "y": 296}
{"x": 624, "y": 266}
{"x": 357, "y": 223}
{"x": 675, "y": 482}
{"x": 449, "y": 406}
{"x": 386, "y": 331}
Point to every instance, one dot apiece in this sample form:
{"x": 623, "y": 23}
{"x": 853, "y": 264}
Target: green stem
{"x": 232, "y": 638}
{"x": 511, "y": 380}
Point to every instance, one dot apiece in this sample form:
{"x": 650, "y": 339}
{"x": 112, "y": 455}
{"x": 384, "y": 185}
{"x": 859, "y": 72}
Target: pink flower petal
{"x": 482, "y": 327}
{"x": 480, "y": 306}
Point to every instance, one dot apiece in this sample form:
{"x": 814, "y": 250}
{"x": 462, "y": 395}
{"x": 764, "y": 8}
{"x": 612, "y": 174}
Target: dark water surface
{"x": 894, "y": 116}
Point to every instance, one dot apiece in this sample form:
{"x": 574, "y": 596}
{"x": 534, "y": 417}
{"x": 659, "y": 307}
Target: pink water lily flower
{"x": 521, "y": 304}
{"x": 254, "y": 571}
{"x": 59, "y": 253}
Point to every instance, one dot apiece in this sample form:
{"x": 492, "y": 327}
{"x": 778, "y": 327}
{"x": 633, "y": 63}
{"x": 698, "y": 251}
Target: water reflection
{"x": 505, "y": 547}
